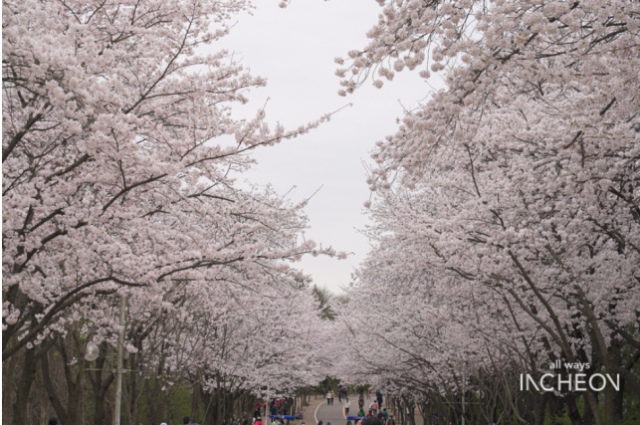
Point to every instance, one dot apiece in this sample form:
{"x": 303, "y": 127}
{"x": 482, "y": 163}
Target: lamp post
{"x": 463, "y": 404}
{"x": 116, "y": 413}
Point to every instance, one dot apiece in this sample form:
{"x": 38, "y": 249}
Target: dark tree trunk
{"x": 574, "y": 414}
{"x": 54, "y": 397}
{"x": 587, "y": 418}
{"x": 24, "y": 388}
{"x": 69, "y": 414}
{"x": 151, "y": 392}
{"x": 195, "y": 401}
{"x": 615, "y": 397}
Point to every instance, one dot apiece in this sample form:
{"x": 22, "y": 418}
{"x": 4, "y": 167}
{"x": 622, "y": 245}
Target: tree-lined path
{"x": 331, "y": 413}
{"x": 504, "y": 217}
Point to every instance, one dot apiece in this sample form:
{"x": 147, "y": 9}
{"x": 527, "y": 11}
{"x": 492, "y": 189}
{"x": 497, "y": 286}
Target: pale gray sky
{"x": 294, "y": 49}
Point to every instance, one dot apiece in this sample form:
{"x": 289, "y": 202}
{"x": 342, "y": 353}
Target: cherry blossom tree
{"x": 119, "y": 151}
{"x": 517, "y": 183}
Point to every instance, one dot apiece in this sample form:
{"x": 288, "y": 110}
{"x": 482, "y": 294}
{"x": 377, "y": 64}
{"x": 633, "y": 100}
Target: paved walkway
{"x": 335, "y": 413}
{"x": 318, "y": 410}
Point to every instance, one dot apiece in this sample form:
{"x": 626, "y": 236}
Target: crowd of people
{"x": 374, "y": 409}
{"x": 375, "y": 413}
{"x": 274, "y": 407}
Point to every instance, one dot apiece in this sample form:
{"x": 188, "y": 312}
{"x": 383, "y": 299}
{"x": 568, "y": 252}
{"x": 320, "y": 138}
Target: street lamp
{"x": 118, "y": 404}
{"x": 92, "y": 351}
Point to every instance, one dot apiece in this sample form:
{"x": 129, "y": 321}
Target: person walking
{"x": 381, "y": 417}
{"x": 187, "y": 421}
{"x": 374, "y": 408}
{"x": 329, "y": 397}
{"x": 379, "y": 398}
{"x": 386, "y": 414}
{"x": 333, "y": 395}
{"x": 368, "y": 393}
{"x": 347, "y": 405}
{"x": 361, "y": 402}
{"x": 391, "y": 421}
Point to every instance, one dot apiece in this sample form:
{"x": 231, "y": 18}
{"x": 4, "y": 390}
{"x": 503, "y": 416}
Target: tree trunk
{"x": 20, "y": 407}
{"x": 195, "y": 401}
{"x": 613, "y": 398}
{"x": 44, "y": 401}
{"x": 574, "y": 414}
{"x": 54, "y": 397}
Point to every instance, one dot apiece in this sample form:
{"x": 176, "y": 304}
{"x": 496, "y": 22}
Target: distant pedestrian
{"x": 361, "y": 402}
{"x": 347, "y": 405}
{"x": 379, "y": 397}
{"x": 368, "y": 393}
{"x": 333, "y": 395}
{"x": 187, "y": 421}
{"x": 328, "y": 397}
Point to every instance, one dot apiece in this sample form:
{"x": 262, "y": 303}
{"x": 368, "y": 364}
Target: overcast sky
{"x": 294, "y": 49}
